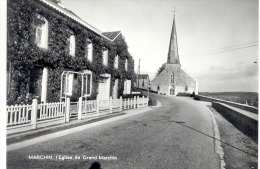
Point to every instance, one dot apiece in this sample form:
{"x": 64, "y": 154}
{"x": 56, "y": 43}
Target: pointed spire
{"x": 173, "y": 56}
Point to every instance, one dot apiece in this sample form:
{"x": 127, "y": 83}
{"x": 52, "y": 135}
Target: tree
{"x": 161, "y": 69}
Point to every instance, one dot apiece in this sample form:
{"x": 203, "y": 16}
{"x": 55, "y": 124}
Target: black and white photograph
{"x": 129, "y": 84}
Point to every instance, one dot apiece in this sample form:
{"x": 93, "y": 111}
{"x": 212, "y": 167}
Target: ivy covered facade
{"x": 45, "y": 40}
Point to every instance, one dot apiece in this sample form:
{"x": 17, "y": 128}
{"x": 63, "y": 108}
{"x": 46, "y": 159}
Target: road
{"x": 175, "y": 135}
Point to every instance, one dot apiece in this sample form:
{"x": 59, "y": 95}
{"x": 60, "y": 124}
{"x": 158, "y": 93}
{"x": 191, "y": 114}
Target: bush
{"x": 185, "y": 94}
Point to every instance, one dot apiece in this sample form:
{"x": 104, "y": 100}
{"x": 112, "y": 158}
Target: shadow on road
{"x": 95, "y": 165}
{"x": 183, "y": 124}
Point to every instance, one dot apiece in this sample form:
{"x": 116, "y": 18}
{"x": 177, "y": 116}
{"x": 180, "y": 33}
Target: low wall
{"x": 246, "y": 124}
{"x": 241, "y": 106}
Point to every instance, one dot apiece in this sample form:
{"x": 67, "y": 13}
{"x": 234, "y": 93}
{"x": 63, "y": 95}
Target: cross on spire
{"x": 174, "y": 11}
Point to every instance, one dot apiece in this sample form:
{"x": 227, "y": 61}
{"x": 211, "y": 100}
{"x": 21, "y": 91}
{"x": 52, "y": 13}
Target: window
{"x": 172, "y": 78}
{"x": 105, "y": 57}
{"x": 89, "y": 50}
{"x": 126, "y": 64}
{"x": 72, "y": 45}
{"x": 186, "y": 88}
{"x": 75, "y": 84}
{"x": 87, "y": 83}
{"x": 35, "y": 84}
{"x": 116, "y": 62}
{"x": 41, "y": 32}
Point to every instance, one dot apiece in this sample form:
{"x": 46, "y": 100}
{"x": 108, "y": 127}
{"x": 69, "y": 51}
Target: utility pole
{"x": 138, "y": 73}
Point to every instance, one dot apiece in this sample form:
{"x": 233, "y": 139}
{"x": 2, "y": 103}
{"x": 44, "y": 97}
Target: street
{"x": 175, "y": 135}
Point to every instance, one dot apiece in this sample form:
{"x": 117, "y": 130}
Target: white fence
{"x": 27, "y": 117}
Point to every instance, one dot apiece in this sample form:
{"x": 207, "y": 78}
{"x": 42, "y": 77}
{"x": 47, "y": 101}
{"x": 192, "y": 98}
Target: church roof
{"x": 173, "y": 55}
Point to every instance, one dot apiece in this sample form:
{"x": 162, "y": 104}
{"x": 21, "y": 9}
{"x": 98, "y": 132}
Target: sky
{"x": 202, "y": 27}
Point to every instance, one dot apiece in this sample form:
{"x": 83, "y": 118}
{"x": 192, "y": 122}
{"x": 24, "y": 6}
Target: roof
{"x": 173, "y": 56}
{"x": 62, "y": 9}
{"x": 142, "y": 76}
{"x": 112, "y": 35}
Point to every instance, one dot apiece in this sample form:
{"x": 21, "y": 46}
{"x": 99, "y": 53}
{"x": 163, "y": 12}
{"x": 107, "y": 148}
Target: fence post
{"x": 34, "y": 113}
{"x": 97, "y": 106}
{"x": 67, "y": 115}
{"x": 80, "y": 109}
{"x": 127, "y": 103}
{"x": 121, "y": 103}
{"x": 110, "y": 105}
{"x": 137, "y": 102}
{"x": 131, "y": 100}
{"x": 143, "y": 101}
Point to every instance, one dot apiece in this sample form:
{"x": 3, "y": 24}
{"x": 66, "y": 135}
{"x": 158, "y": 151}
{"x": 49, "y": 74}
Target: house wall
{"x": 139, "y": 83}
{"x": 24, "y": 54}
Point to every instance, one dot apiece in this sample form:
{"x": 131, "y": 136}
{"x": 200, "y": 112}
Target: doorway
{"x": 172, "y": 90}
{"x": 104, "y": 87}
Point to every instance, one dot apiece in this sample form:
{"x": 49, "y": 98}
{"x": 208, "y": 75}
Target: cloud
{"x": 228, "y": 72}
{"x": 236, "y": 77}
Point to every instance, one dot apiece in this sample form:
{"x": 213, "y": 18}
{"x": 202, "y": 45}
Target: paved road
{"x": 169, "y": 137}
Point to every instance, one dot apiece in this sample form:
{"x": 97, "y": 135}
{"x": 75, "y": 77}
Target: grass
{"x": 249, "y": 98}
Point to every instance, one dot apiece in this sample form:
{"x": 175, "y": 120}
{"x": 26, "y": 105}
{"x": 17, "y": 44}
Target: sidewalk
{"x": 24, "y": 139}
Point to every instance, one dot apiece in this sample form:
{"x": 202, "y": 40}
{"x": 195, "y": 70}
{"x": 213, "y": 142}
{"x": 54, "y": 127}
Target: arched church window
{"x": 158, "y": 87}
{"x": 41, "y": 31}
{"x": 172, "y": 78}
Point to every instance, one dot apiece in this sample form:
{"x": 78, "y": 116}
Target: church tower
{"x": 173, "y": 80}
{"x": 173, "y": 55}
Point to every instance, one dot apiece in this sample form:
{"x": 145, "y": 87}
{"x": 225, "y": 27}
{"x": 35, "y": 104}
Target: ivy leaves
{"x": 24, "y": 54}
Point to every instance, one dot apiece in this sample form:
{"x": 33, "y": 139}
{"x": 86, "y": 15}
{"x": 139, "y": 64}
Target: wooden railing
{"x": 18, "y": 114}
{"x": 26, "y": 117}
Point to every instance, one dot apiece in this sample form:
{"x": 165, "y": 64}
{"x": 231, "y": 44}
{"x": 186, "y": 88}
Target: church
{"x": 173, "y": 80}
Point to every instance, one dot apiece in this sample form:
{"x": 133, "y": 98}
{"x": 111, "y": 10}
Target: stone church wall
{"x": 181, "y": 79}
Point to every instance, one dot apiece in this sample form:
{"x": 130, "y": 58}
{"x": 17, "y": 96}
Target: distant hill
{"x": 249, "y": 98}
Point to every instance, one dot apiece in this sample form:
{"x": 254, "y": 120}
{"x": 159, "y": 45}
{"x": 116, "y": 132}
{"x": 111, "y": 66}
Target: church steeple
{"x": 173, "y": 56}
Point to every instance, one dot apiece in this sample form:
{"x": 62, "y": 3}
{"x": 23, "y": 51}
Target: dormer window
{"x": 72, "y": 45}
{"x": 89, "y": 54}
{"x": 41, "y": 31}
{"x": 116, "y": 62}
{"x": 105, "y": 57}
{"x": 126, "y": 64}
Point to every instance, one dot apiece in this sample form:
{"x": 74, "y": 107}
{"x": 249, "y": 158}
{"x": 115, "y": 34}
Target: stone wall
{"x": 181, "y": 79}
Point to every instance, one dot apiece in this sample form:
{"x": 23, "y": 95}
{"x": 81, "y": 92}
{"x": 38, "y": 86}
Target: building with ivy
{"x": 52, "y": 54}
{"x": 172, "y": 80}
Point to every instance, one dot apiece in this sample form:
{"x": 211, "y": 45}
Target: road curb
{"x": 218, "y": 147}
